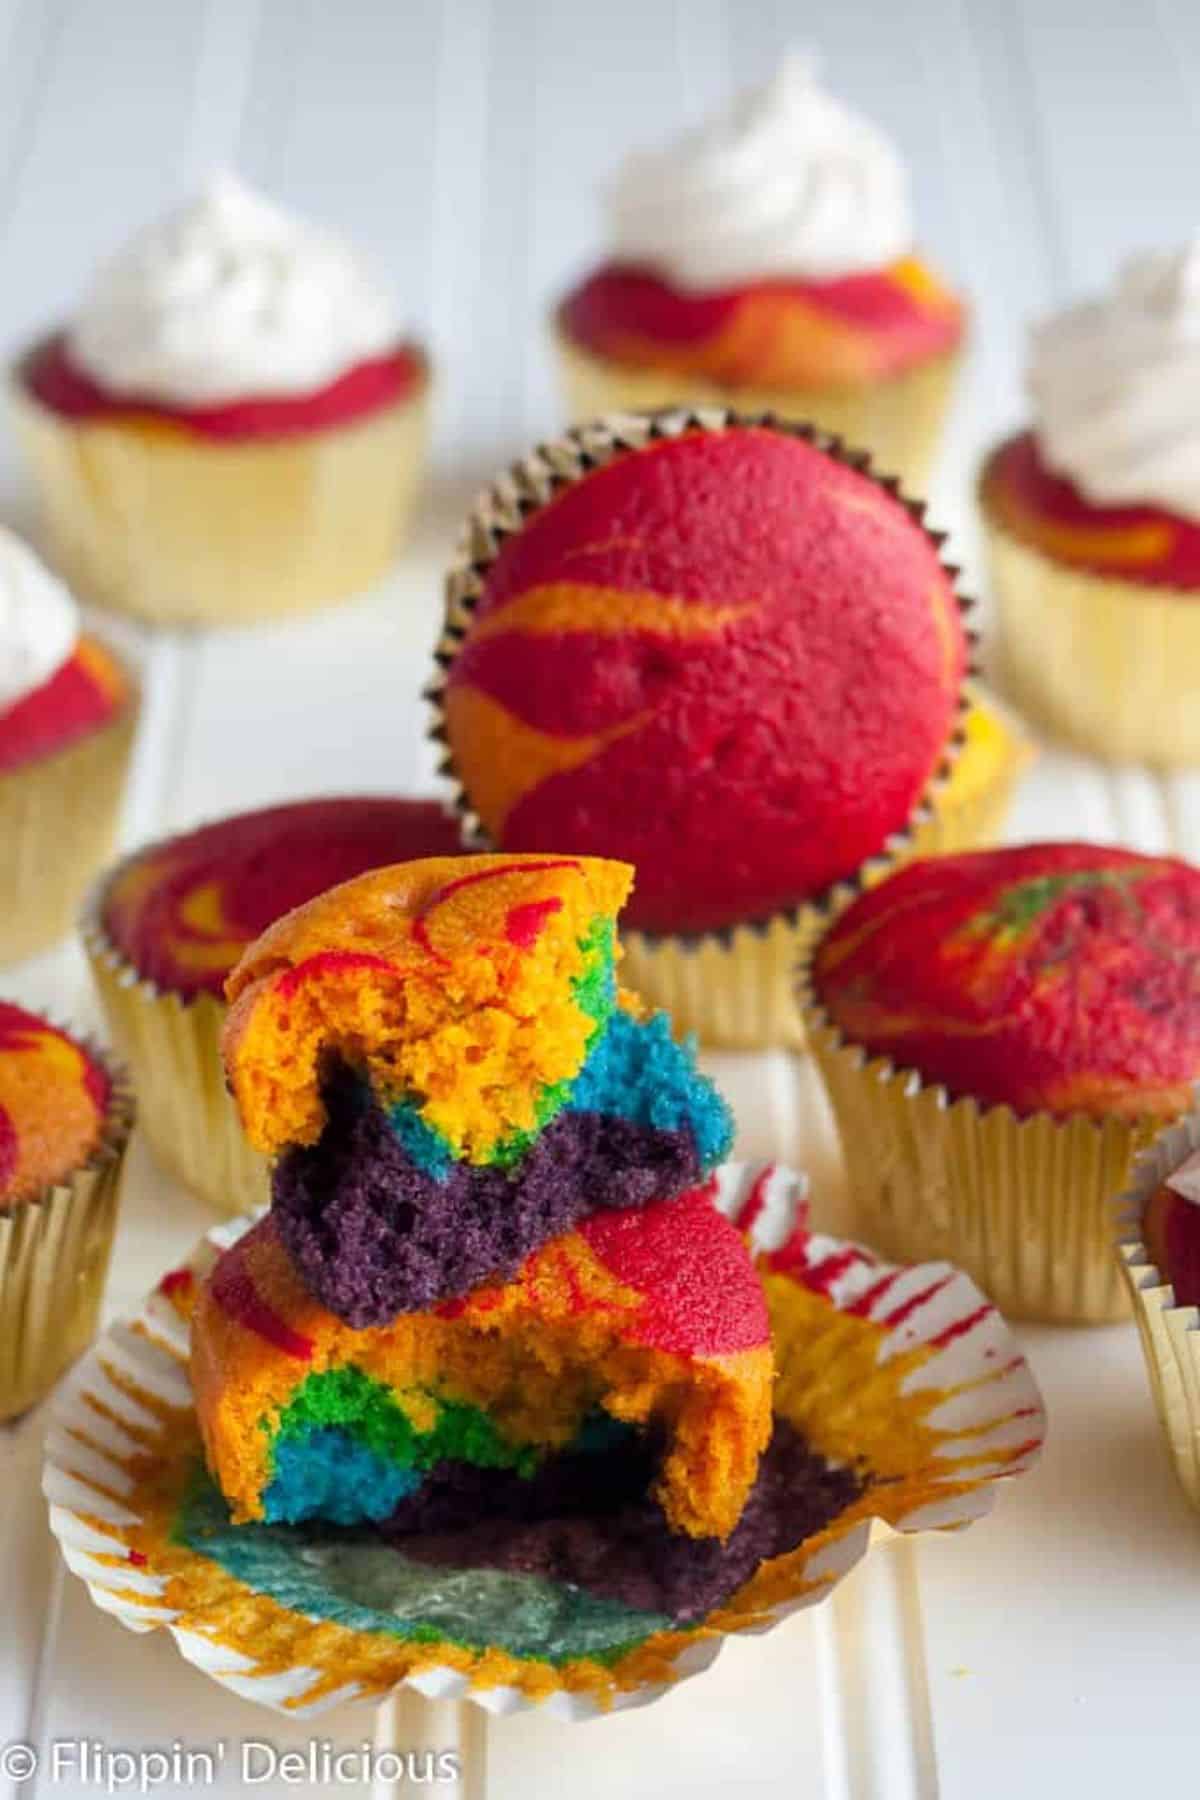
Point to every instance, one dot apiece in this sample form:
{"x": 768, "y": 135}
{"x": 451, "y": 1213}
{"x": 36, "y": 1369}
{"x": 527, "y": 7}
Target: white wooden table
{"x": 462, "y": 144}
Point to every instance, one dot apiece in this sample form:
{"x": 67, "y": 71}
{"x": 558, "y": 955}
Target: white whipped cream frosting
{"x": 226, "y": 298}
{"x": 789, "y": 183}
{"x": 39, "y": 621}
{"x": 1115, "y": 385}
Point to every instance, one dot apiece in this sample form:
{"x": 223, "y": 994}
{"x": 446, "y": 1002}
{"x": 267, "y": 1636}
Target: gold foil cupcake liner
{"x": 1099, "y": 662}
{"x": 173, "y": 1048}
{"x": 899, "y": 419}
{"x": 58, "y": 820}
{"x": 1170, "y": 1334}
{"x": 1022, "y": 1204}
{"x": 904, "y": 1374}
{"x": 733, "y": 987}
{"x": 151, "y": 519}
{"x": 54, "y": 1256}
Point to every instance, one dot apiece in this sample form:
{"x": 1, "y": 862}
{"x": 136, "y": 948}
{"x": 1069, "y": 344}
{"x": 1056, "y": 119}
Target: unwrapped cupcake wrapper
{"x": 154, "y": 520}
{"x": 54, "y": 1255}
{"x": 899, "y": 418}
{"x": 1022, "y": 1204}
{"x": 173, "y": 1049}
{"x": 58, "y": 819}
{"x": 732, "y": 987}
{"x": 1105, "y": 664}
{"x": 1170, "y": 1333}
{"x": 905, "y": 1375}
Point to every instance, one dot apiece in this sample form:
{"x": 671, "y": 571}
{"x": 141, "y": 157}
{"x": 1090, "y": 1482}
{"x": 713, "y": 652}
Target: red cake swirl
{"x": 182, "y": 912}
{"x": 84, "y": 694}
{"x": 1056, "y": 977}
{"x": 61, "y": 385}
{"x": 1047, "y": 511}
{"x": 769, "y": 334}
{"x": 727, "y": 658}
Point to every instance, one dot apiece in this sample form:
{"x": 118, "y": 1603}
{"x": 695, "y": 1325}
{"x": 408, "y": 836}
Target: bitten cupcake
{"x": 1158, "y": 1222}
{"x": 719, "y": 650}
{"x": 999, "y": 1032}
{"x": 68, "y": 709}
{"x": 164, "y": 929}
{"x": 1092, "y": 518}
{"x": 766, "y": 261}
{"x": 65, "y": 1118}
{"x": 232, "y": 428}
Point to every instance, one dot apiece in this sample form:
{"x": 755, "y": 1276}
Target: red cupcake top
{"x": 727, "y": 658}
{"x": 1057, "y": 977}
{"x": 768, "y": 334}
{"x": 88, "y": 690}
{"x": 53, "y": 1100}
{"x": 182, "y": 912}
{"x": 1141, "y": 543}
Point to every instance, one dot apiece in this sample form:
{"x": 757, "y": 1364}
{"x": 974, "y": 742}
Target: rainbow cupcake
{"x": 65, "y": 1119}
{"x": 765, "y": 262}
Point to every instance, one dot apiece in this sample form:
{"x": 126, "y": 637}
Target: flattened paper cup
{"x": 1022, "y": 1204}
{"x": 733, "y": 988}
{"x": 899, "y": 419}
{"x": 58, "y": 819}
{"x": 173, "y": 1048}
{"x": 54, "y": 1255}
{"x": 1170, "y": 1333}
{"x": 1105, "y": 664}
{"x": 151, "y": 519}
{"x": 908, "y": 1376}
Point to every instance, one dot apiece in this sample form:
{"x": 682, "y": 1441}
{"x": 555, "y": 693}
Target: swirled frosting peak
{"x": 39, "y": 622}
{"x": 1115, "y": 384}
{"x": 788, "y": 184}
{"x": 226, "y": 298}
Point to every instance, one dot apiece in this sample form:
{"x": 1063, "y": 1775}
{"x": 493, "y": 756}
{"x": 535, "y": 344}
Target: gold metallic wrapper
{"x": 58, "y": 819}
{"x": 899, "y": 419}
{"x": 173, "y": 1049}
{"x": 54, "y": 1254}
{"x": 1170, "y": 1333}
{"x": 1105, "y": 664}
{"x": 1022, "y": 1204}
{"x": 733, "y": 988}
{"x": 151, "y": 519}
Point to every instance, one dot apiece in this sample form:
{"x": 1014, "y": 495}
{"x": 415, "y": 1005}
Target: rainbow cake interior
{"x": 493, "y": 1320}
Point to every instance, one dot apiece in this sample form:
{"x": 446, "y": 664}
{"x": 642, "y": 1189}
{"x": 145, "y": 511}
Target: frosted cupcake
{"x": 165, "y": 928}
{"x": 232, "y": 427}
{"x": 1092, "y": 517}
{"x": 65, "y": 1118}
{"x": 765, "y": 261}
{"x": 67, "y": 714}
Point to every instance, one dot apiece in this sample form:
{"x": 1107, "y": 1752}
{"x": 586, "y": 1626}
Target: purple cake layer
{"x": 600, "y": 1532}
{"x": 373, "y": 1234}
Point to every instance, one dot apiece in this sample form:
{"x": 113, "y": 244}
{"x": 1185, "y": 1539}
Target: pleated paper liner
{"x": 1102, "y": 663}
{"x": 1170, "y": 1334}
{"x": 54, "y": 1255}
{"x": 173, "y": 1048}
{"x": 58, "y": 819}
{"x": 907, "y": 1375}
{"x": 899, "y": 419}
{"x": 1022, "y": 1204}
{"x": 151, "y": 519}
{"x": 731, "y": 987}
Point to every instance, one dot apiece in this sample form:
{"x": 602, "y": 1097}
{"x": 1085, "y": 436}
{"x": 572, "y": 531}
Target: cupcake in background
{"x": 65, "y": 1119}
{"x": 68, "y": 710}
{"x": 765, "y": 261}
{"x": 232, "y": 427}
{"x": 164, "y": 929}
{"x": 1092, "y": 517}
{"x": 1000, "y": 1033}
{"x": 704, "y": 697}
{"x": 971, "y": 810}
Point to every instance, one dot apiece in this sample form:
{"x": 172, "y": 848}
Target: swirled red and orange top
{"x": 53, "y": 1101}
